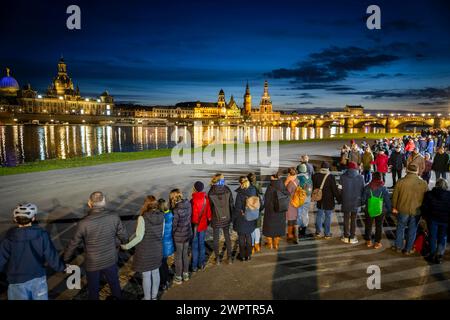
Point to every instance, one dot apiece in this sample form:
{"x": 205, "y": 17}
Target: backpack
{"x": 281, "y": 201}
{"x": 374, "y": 205}
{"x": 317, "y": 193}
{"x": 298, "y": 198}
{"x": 221, "y": 206}
{"x": 307, "y": 185}
{"x": 252, "y": 205}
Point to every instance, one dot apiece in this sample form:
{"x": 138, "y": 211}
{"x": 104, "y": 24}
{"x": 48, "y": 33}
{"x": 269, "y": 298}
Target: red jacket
{"x": 197, "y": 204}
{"x": 381, "y": 161}
{"x": 410, "y": 145}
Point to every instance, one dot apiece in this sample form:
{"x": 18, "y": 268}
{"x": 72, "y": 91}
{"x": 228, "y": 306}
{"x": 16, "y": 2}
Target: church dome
{"x": 9, "y": 82}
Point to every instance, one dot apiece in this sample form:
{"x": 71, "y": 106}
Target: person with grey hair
{"x": 98, "y": 232}
{"x": 435, "y": 208}
{"x": 304, "y": 159}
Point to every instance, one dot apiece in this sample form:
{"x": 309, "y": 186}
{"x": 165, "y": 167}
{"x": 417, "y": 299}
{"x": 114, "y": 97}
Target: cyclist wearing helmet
{"x": 24, "y": 253}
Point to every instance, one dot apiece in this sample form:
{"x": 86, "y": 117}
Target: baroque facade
{"x": 61, "y": 98}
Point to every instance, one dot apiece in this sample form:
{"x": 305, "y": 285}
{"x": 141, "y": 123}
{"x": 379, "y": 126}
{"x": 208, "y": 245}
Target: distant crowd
{"x": 177, "y": 226}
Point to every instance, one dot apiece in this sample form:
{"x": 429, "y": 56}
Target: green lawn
{"x": 55, "y": 164}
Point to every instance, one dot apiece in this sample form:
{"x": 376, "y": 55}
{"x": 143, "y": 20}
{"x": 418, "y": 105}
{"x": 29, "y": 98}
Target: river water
{"x": 19, "y": 144}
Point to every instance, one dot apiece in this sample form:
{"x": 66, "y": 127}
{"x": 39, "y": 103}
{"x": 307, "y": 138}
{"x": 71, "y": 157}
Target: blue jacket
{"x": 24, "y": 253}
{"x": 377, "y": 192}
{"x": 352, "y": 190}
{"x": 430, "y": 147}
{"x": 168, "y": 247}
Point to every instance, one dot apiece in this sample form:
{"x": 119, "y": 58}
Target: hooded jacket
{"x": 240, "y": 223}
{"x": 200, "y": 200}
{"x": 352, "y": 189}
{"x": 24, "y": 253}
{"x": 181, "y": 225}
{"x": 396, "y": 160}
{"x": 222, "y": 205}
{"x": 381, "y": 161}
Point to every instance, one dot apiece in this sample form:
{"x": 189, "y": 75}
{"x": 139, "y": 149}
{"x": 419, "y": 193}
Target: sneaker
{"x": 345, "y": 240}
{"x": 186, "y": 276}
{"x": 218, "y": 261}
{"x": 203, "y": 268}
{"x": 409, "y": 253}
{"x": 328, "y": 237}
{"x": 369, "y": 244}
{"x": 194, "y": 270}
{"x": 377, "y": 245}
{"x": 178, "y": 280}
{"x": 230, "y": 260}
{"x": 318, "y": 236}
{"x": 353, "y": 240}
{"x": 249, "y": 258}
{"x": 438, "y": 259}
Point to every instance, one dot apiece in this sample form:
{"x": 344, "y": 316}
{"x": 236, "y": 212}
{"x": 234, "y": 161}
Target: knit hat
{"x": 352, "y": 165}
{"x": 412, "y": 168}
{"x": 198, "y": 186}
{"x": 325, "y": 165}
{"x": 302, "y": 168}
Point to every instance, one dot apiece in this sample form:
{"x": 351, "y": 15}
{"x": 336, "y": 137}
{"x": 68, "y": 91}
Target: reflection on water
{"x": 20, "y": 144}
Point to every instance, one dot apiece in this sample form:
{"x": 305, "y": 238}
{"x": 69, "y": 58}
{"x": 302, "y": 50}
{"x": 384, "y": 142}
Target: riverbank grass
{"x": 56, "y": 164}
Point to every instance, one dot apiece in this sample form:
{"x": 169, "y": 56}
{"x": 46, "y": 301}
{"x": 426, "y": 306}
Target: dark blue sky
{"x": 315, "y": 54}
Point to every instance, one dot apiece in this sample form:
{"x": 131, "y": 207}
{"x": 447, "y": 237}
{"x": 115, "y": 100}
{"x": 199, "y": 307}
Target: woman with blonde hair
{"x": 149, "y": 246}
{"x": 246, "y": 200}
{"x": 222, "y": 206}
{"x": 182, "y": 234}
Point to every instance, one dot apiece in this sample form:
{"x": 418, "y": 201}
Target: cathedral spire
{"x": 7, "y": 71}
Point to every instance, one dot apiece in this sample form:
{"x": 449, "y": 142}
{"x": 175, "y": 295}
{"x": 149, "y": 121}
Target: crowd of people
{"x": 177, "y": 226}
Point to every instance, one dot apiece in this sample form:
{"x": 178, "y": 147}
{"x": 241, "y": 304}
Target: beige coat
{"x": 418, "y": 160}
{"x": 408, "y": 194}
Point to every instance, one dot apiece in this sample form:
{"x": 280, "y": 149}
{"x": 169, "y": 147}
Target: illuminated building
{"x": 61, "y": 98}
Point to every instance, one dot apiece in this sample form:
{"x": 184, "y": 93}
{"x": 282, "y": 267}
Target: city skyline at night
{"x": 316, "y": 57}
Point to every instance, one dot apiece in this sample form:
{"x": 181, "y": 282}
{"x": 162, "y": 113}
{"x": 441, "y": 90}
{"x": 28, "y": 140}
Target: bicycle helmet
{"x": 27, "y": 210}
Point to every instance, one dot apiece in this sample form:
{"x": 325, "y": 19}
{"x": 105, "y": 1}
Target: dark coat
{"x": 181, "y": 225}
{"x": 98, "y": 232}
{"x": 352, "y": 189}
{"x": 226, "y": 206}
{"x": 330, "y": 191}
{"x": 441, "y": 162}
{"x": 274, "y": 224}
{"x": 240, "y": 223}
{"x": 24, "y": 253}
{"x": 397, "y": 160}
{"x": 436, "y": 205}
{"x": 149, "y": 252}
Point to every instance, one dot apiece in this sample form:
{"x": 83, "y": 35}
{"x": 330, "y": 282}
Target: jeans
{"x": 256, "y": 236}
{"x": 198, "y": 250}
{"x": 396, "y": 174}
{"x": 34, "y": 289}
{"x": 440, "y": 174}
{"x": 245, "y": 245}
{"x": 438, "y": 240}
{"x": 164, "y": 271}
{"x": 216, "y": 236}
{"x": 378, "y": 227}
{"x": 367, "y": 176}
{"x": 303, "y": 214}
{"x": 181, "y": 258}
{"x": 150, "y": 284}
{"x": 112, "y": 278}
{"x": 349, "y": 220}
{"x": 406, "y": 220}
{"x": 323, "y": 217}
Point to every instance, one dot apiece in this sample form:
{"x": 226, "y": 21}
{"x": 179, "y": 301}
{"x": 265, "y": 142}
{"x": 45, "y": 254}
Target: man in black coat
{"x": 330, "y": 194}
{"x": 396, "y": 163}
{"x": 440, "y": 163}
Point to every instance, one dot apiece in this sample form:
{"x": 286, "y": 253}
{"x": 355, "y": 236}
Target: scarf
{"x": 324, "y": 170}
{"x": 221, "y": 182}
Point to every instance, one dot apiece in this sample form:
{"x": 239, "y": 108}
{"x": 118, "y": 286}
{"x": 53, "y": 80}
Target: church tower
{"x": 247, "y": 101}
{"x": 221, "y": 101}
{"x": 266, "y": 104}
